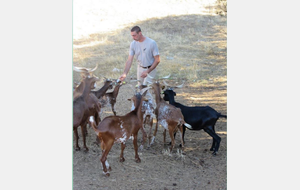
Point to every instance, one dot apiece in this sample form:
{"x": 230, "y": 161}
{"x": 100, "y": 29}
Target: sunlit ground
{"x": 91, "y": 16}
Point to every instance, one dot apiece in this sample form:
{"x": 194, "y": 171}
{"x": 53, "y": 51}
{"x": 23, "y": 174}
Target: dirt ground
{"x": 198, "y": 169}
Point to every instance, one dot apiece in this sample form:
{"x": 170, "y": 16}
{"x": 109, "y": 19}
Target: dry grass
{"x": 192, "y": 46}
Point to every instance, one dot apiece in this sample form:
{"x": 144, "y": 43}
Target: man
{"x": 147, "y": 54}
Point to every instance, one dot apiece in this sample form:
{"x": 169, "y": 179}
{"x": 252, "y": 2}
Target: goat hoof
{"x": 107, "y": 174}
{"x": 137, "y": 160}
{"x": 86, "y": 149}
{"x": 109, "y": 168}
{"x": 122, "y": 159}
{"x": 141, "y": 148}
{"x": 214, "y": 153}
{"x": 77, "y": 148}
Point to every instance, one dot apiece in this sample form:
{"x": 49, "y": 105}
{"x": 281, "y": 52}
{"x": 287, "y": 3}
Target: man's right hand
{"x": 122, "y": 77}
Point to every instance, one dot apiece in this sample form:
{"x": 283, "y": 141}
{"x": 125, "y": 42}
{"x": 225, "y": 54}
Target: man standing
{"x": 147, "y": 54}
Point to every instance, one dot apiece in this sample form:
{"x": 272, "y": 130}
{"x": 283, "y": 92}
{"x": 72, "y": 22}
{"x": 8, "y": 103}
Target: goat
{"x": 108, "y": 84}
{"x": 169, "y": 117}
{"x": 110, "y": 98}
{"x": 199, "y": 117}
{"x": 148, "y": 110}
{"x": 119, "y": 129}
{"x": 81, "y": 108}
{"x": 84, "y": 72}
{"x": 94, "y": 107}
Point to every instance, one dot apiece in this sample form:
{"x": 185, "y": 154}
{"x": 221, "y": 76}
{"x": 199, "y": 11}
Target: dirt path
{"x": 158, "y": 169}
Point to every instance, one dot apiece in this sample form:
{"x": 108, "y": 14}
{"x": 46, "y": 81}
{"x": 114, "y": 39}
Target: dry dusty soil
{"x": 197, "y": 169}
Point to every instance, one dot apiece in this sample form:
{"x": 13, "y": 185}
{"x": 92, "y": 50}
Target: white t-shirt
{"x": 144, "y": 51}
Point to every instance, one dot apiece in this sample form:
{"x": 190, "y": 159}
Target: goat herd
{"x": 173, "y": 117}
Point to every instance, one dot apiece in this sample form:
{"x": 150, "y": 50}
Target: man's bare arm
{"x": 127, "y": 67}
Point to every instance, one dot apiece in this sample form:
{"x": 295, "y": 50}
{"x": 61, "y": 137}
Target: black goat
{"x": 199, "y": 117}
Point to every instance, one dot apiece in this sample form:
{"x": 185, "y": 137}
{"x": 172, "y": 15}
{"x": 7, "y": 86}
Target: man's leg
{"x": 140, "y": 70}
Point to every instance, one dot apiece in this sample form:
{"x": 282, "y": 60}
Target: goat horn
{"x": 80, "y": 69}
{"x": 135, "y": 80}
{"x": 144, "y": 89}
{"x": 84, "y": 69}
{"x": 180, "y": 86}
{"x": 149, "y": 76}
{"x": 166, "y": 77}
{"x": 165, "y": 83}
{"x": 91, "y": 70}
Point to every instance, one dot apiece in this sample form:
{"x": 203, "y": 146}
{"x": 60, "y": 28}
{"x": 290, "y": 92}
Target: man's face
{"x": 136, "y": 36}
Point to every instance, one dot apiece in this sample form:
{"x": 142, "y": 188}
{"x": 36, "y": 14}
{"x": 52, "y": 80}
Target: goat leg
{"x": 122, "y": 159}
{"x": 154, "y": 134}
{"x": 183, "y": 132}
{"x": 213, "y": 146}
{"x": 104, "y": 161}
{"x": 137, "y": 158}
{"x": 164, "y": 133}
{"x": 181, "y": 138}
{"x": 76, "y": 138}
{"x": 113, "y": 109}
{"x": 171, "y": 133}
{"x": 83, "y": 129}
{"x": 144, "y": 134}
{"x": 215, "y": 137}
{"x": 98, "y": 119}
{"x": 105, "y": 150}
{"x": 149, "y": 133}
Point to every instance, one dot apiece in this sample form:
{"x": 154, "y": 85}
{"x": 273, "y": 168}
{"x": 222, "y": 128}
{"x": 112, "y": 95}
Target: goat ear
{"x": 129, "y": 99}
{"x": 174, "y": 93}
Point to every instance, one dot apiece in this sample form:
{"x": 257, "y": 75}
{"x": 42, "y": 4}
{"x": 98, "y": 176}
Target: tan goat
{"x": 169, "y": 117}
{"x": 148, "y": 110}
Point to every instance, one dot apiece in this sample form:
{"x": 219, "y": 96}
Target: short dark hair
{"x": 137, "y": 29}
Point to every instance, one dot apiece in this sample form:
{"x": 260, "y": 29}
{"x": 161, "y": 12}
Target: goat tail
{"x": 92, "y": 123}
{"x": 220, "y": 115}
{"x": 188, "y": 126}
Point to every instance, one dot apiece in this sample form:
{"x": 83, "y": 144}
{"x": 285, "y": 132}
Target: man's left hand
{"x": 144, "y": 74}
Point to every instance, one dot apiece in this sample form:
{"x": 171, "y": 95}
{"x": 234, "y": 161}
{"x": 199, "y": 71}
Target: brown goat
{"x": 119, "y": 129}
{"x": 108, "y": 84}
{"x": 82, "y": 103}
{"x": 92, "y": 100}
{"x": 169, "y": 117}
{"x": 110, "y": 98}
